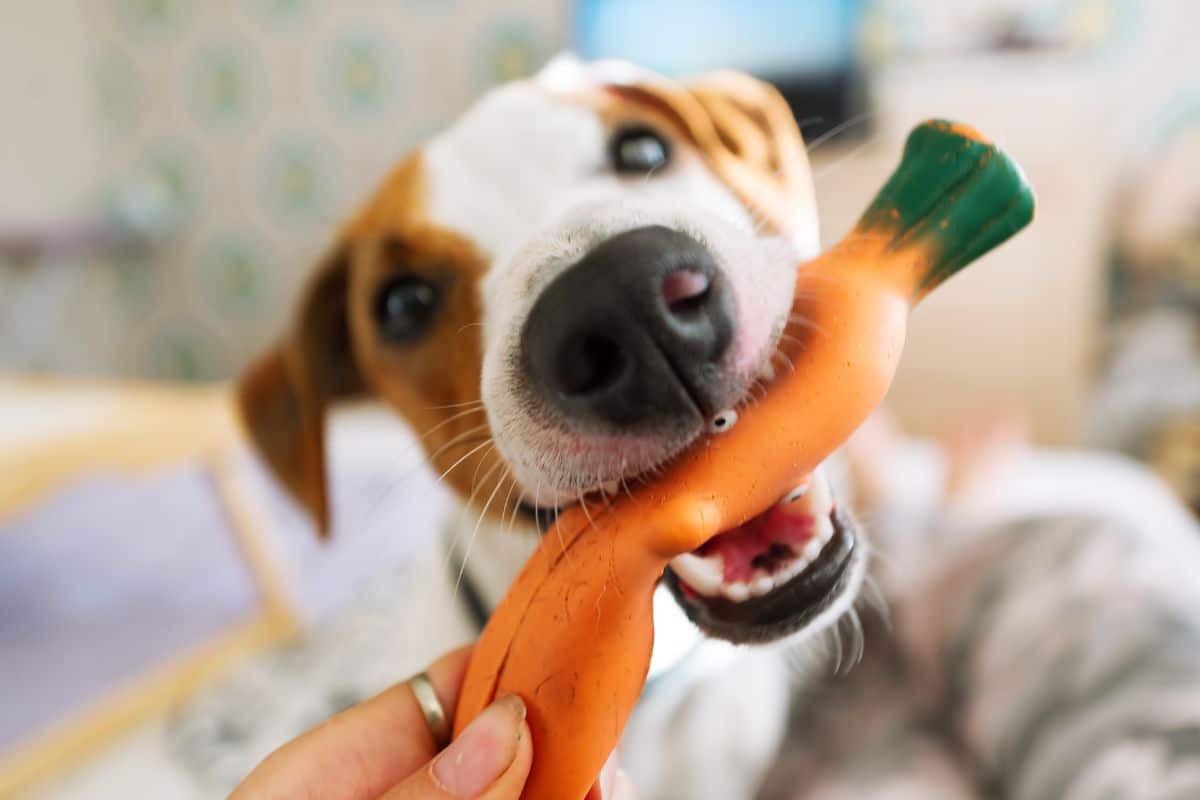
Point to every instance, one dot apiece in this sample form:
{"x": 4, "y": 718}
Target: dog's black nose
{"x": 631, "y": 337}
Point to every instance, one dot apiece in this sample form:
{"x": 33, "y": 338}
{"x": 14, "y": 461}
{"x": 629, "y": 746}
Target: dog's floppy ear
{"x": 284, "y": 397}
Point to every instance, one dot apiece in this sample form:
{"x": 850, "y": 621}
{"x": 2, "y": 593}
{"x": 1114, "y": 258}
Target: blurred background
{"x": 169, "y": 171}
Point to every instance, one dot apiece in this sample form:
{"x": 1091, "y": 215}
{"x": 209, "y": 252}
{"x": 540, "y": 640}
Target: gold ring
{"x": 431, "y": 709}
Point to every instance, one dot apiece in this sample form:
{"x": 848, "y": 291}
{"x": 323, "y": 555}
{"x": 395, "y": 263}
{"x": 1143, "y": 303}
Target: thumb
{"x": 489, "y": 761}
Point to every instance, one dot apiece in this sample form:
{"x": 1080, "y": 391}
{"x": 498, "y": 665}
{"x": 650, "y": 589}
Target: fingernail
{"x": 483, "y": 752}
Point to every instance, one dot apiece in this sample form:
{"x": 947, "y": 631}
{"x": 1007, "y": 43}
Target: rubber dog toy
{"x": 574, "y": 633}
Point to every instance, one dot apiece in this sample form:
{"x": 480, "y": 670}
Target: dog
{"x": 560, "y": 293}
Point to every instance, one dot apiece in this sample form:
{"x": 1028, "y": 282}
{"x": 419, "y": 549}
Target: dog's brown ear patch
{"x": 285, "y": 396}
{"x": 745, "y": 131}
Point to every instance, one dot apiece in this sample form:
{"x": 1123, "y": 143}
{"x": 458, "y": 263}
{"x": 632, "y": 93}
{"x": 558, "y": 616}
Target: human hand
{"x": 382, "y": 749}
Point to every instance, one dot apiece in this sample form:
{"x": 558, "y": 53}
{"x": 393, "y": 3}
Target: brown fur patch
{"x": 742, "y": 128}
{"x": 433, "y": 383}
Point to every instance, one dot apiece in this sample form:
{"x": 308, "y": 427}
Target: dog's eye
{"x": 639, "y": 150}
{"x": 405, "y": 307}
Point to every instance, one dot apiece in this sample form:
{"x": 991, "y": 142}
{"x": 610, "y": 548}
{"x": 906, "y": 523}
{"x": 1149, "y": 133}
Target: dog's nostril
{"x": 685, "y": 290}
{"x": 588, "y": 364}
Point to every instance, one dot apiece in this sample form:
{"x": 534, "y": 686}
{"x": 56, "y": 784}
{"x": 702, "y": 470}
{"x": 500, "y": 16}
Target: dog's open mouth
{"x": 772, "y": 575}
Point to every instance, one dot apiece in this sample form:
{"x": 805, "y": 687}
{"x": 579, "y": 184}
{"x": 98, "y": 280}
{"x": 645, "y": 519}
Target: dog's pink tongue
{"x": 775, "y": 535}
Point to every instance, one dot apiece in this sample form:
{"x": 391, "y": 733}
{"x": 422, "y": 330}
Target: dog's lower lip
{"x": 785, "y": 608}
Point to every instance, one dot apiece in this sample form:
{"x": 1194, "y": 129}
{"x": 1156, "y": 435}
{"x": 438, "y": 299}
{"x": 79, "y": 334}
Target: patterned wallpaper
{"x": 242, "y": 131}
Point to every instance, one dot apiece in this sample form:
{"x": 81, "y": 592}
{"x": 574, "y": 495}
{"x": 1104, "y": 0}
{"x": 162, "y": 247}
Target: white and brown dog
{"x": 559, "y": 293}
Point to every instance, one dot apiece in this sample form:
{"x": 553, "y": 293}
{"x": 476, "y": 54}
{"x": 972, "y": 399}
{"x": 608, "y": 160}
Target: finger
{"x": 363, "y": 751}
{"x": 490, "y": 760}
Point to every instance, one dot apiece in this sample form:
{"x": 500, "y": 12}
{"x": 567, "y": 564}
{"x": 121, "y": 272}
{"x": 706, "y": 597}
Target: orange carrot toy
{"x": 573, "y": 635}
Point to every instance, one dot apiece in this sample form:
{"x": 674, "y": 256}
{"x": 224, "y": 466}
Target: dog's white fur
{"x": 524, "y": 175}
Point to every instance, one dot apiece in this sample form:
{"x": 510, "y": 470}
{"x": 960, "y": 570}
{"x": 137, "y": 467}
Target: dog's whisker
{"x": 809, "y": 122}
{"x": 474, "y": 429}
{"x": 386, "y": 494}
{"x": 835, "y": 637}
{"x": 625, "y": 487}
{"x": 586, "y": 513}
{"x": 803, "y": 294}
{"x": 465, "y": 442}
{"x": 857, "y": 639}
{"x": 510, "y": 511}
{"x": 844, "y": 648}
{"x": 475, "y": 474}
{"x": 474, "y": 403}
{"x": 809, "y": 324}
{"x": 508, "y": 508}
{"x": 475, "y": 532}
{"x": 787, "y": 337}
{"x": 787, "y": 362}
{"x": 650, "y": 173}
{"x": 796, "y": 340}
{"x": 583, "y": 506}
{"x": 452, "y": 550}
{"x": 562, "y": 542}
{"x": 829, "y": 169}
{"x": 448, "y": 420}
{"x": 874, "y": 599}
{"x": 761, "y": 389}
{"x": 467, "y": 455}
{"x": 458, "y": 439}
{"x": 837, "y": 130}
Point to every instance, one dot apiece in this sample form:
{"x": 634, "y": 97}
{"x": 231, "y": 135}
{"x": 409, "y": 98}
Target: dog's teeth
{"x": 823, "y": 529}
{"x": 820, "y": 497}
{"x": 761, "y": 585}
{"x": 813, "y": 549}
{"x": 703, "y": 574}
{"x": 792, "y": 570}
{"x": 611, "y": 488}
{"x": 737, "y": 592}
{"x": 795, "y": 494}
{"x": 813, "y": 497}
